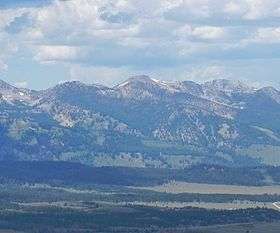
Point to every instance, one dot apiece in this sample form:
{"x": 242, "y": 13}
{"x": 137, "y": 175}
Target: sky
{"x": 45, "y": 42}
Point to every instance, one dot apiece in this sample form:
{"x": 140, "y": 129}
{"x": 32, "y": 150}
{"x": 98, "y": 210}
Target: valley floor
{"x": 240, "y": 228}
{"x": 230, "y": 228}
{"x": 184, "y": 187}
{"x": 40, "y": 198}
{"x": 41, "y": 208}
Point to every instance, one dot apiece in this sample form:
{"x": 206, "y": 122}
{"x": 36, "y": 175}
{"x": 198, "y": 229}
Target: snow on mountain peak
{"x": 10, "y": 93}
{"x": 146, "y": 82}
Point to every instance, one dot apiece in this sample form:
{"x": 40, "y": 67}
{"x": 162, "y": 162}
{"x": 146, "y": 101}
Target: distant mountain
{"x": 142, "y": 122}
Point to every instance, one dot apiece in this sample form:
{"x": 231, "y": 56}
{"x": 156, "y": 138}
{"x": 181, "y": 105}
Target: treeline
{"x": 105, "y": 220}
{"x": 74, "y": 173}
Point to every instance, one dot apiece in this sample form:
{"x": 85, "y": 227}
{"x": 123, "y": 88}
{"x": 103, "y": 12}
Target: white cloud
{"x": 102, "y": 75}
{"x": 234, "y": 8}
{"x": 267, "y": 35}
{"x": 48, "y": 53}
{"x": 7, "y": 16}
{"x": 208, "y": 72}
{"x": 117, "y": 38}
{"x": 21, "y": 84}
{"x": 262, "y": 9}
{"x": 207, "y": 32}
{"x": 202, "y": 32}
{"x": 132, "y": 31}
{"x": 3, "y": 66}
{"x": 7, "y": 49}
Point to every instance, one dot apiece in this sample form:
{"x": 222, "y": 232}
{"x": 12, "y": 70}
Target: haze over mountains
{"x": 142, "y": 122}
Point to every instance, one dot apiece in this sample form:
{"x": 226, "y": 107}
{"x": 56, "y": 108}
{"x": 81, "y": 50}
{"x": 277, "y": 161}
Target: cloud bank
{"x": 97, "y": 37}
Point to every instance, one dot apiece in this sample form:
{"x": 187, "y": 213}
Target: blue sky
{"x": 44, "y": 42}
{"x": 23, "y": 3}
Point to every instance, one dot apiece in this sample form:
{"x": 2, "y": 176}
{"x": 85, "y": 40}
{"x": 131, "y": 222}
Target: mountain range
{"x": 142, "y": 122}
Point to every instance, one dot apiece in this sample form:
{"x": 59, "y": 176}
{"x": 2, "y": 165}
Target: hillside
{"x": 142, "y": 122}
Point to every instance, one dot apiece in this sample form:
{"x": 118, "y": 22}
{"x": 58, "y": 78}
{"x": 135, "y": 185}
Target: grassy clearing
{"x": 184, "y": 187}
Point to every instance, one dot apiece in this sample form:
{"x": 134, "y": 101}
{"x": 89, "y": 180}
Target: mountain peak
{"x": 77, "y": 85}
{"x": 226, "y": 85}
{"x": 10, "y": 93}
{"x": 136, "y": 79}
{"x": 4, "y": 86}
{"x": 271, "y": 92}
{"x": 140, "y": 78}
{"x": 70, "y": 84}
{"x": 268, "y": 89}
